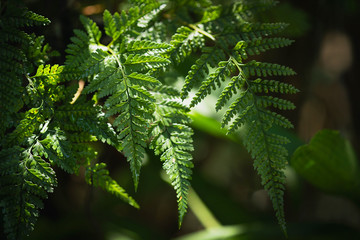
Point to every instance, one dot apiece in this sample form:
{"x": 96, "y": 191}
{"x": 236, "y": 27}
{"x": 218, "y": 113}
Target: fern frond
{"x": 78, "y": 50}
{"x": 52, "y": 74}
{"x": 215, "y": 79}
{"x": 33, "y": 19}
{"x": 211, "y": 13}
{"x": 18, "y": 16}
{"x": 282, "y": 104}
{"x": 153, "y": 61}
{"x": 275, "y": 118}
{"x": 14, "y": 44}
{"x": 250, "y": 111}
{"x": 184, "y": 42}
{"x": 57, "y": 148}
{"x": 171, "y": 139}
{"x": 110, "y": 26}
{"x": 143, "y": 80}
{"x": 25, "y": 182}
{"x": 245, "y": 31}
{"x": 129, "y": 22}
{"x": 149, "y": 11}
{"x": 210, "y": 56}
{"x": 261, "y": 69}
{"x": 259, "y": 45}
{"x": 236, "y": 84}
{"x": 120, "y": 74}
{"x": 94, "y": 64}
{"x": 98, "y": 176}
{"x": 243, "y": 102}
{"x": 266, "y": 86}
{"x": 237, "y": 37}
{"x": 85, "y": 117}
{"x": 102, "y": 81}
{"x": 270, "y": 162}
{"x": 144, "y": 45}
{"x": 92, "y": 29}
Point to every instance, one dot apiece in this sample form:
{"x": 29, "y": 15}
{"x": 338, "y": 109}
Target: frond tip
{"x": 98, "y": 176}
{"x": 171, "y": 139}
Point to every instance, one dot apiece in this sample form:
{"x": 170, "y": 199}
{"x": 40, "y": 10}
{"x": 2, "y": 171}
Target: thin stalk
{"x": 202, "y": 213}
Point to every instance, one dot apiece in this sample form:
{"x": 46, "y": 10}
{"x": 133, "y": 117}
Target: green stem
{"x": 200, "y": 210}
{"x": 202, "y": 32}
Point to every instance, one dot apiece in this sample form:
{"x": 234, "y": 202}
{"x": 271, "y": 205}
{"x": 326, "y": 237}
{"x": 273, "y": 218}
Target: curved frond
{"x": 171, "y": 139}
{"x": 210, "y": 56}
{"x": 213, "y": 81}
{"x": 98, "y": 176}
{"x": 25, "y": 182}
{"x": 184, "y": 41}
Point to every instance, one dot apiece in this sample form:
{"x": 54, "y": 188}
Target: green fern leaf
{"x": 259, "y": 45}
{"x": 56, "y": 148}
{"x": 98, "y": 176}
{"x": 224, "y": 70}
{"x": 236, "y": 84}
{"x": 171, "y": 139}
{"x": 282, "y": 104}
{"x": 33, "y": 19}
{"x": 266, "y": 86}
{"x": 92, "y": 29}
{"x": 51, "y": 73}
{"x": 78, "y": 50}
{"x": 94, "y": 64}
{"x": 121, "y": 76}
{"x": 184, "y": 42}
{"x": 210, "y": 56}
{"x": 146, "y": 45}
{"x": 139, "y": 59}
{"x": 24, "y": 184}
{"x": 247, "y": 110}
{"x": 254, "y": 68}
{"x": 110, "y": 26}
{"x": 270, "y": 161}
{"x": 211, "y": 13}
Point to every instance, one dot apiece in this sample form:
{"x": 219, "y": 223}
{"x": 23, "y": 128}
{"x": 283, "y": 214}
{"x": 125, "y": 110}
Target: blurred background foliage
{"x": 322, "y": 197}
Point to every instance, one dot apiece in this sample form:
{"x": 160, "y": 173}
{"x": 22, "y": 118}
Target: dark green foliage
{"x": 128, "y": 102}
{"x": 247, "y": 108}
{"x": 171, "y": 139}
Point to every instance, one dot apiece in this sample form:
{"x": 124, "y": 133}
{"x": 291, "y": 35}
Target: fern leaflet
{"x": 247, "y": 108}
{"x": 171, "y": 139}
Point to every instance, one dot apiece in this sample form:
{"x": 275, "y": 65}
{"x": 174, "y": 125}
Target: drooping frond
{"x": 241, "y": 95}
{"x": 121, "y": 77}
{"x": 214, "y": 80}
{"x": 171, "y": 139}
{"x": 85, "y": 117}
{"x": 14, "y": 47}
{"x": 57, "y": 148}
{"x": 98, "y": 176}
{"x": 210, "y": 57}
{"x": 26, "y": 179}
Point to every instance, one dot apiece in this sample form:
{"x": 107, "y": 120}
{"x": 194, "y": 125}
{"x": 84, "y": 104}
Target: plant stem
{"x": 200, "y": 210}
